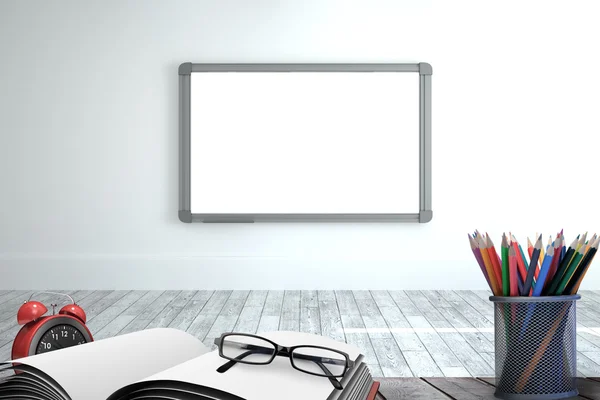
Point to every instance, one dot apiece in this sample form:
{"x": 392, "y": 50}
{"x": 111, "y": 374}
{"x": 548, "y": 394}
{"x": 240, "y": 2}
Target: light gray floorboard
{"x": 271, "y": 313}
{"x": 189, "y": 311}
{"x": 250, "y": 315}
{"x": 310, "y": 320}
{"x": 355, "y": 330}
{"x": 374, "y": 321}
{"x": 150, "y": 312}
{"x": 418, "y": 358}
{"x": 204, "y": 317}
{"x": 465, "y": 345}
{"x": 227, "y": 317}
{"x": 172, "y": 310}
{"x": 290, "y": 311}
{"x": 110, "y": 321}
{"x": 132, "y": 308}
{"x": 389, "y": 355}
{"x": 331, "y": 320}
{"x": 443, "y": 356}
{"x": 390, "y": 358}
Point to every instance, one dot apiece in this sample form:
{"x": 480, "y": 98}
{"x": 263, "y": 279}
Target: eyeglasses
{"x": 252, "y": 349}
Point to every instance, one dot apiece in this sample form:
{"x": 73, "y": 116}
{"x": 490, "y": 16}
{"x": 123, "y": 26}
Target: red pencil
{"x": 520, "y": 261}
{"x": 494, "y": 259}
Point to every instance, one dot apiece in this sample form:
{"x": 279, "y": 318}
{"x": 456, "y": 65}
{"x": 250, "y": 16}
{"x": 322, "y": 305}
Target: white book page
{"x": 276, "y": 381}
{"x": 304, "y": 142}
{"x": 93, "y": 371}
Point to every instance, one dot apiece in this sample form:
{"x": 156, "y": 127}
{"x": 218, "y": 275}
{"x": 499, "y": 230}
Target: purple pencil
{"x": 479, "y": 258}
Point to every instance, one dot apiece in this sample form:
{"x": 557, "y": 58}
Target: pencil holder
{"x": 536, "y": 356}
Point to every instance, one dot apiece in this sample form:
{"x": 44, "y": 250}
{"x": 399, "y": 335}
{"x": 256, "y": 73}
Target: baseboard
{"x": 180, "y": 273}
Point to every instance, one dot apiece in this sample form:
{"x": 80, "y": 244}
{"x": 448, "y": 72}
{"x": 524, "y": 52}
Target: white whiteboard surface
{"x": 304, "y": 142}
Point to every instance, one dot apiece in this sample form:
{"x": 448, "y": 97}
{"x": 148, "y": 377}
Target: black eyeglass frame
{"x": 284, "y": 352}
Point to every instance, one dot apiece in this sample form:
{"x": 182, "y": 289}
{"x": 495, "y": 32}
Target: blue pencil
{"x": 539, "y": 285}
{"x": 532, "y": 266}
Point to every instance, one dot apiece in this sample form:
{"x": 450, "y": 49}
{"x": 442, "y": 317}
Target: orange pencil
{"x": 488, "y": 265}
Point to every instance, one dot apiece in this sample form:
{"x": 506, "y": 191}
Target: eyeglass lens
{"x": 247, "y": 349}
{"x": 319, "y": 361}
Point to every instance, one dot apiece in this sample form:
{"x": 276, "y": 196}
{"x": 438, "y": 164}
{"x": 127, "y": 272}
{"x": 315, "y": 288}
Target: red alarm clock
{"x": 43, "y": 334}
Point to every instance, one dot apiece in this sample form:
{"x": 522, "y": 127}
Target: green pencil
{"x": 572, "y": 266}
{"x": 505, "y": 272}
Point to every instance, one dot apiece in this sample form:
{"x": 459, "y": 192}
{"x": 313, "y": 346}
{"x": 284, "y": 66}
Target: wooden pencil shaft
{"x": 505, "y": 270}
{"x": 539, "y": 284}
{"x": 581, "y": 268}
{"x": 496, "y": 288}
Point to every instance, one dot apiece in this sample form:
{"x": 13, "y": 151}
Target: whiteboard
{"x": 280, "y": 142}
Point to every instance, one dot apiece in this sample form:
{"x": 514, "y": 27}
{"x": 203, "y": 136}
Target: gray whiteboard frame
{"x": 425, "y": 213}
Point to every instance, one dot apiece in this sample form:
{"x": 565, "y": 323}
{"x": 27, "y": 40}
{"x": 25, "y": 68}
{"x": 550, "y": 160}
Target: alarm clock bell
{"x": 30, "y": 311}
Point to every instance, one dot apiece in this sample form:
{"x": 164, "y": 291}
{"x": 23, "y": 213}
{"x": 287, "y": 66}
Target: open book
{"x": 171, "y": 364}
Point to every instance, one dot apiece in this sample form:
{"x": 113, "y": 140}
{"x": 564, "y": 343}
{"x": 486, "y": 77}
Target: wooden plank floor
{"x": 402, "y": 333}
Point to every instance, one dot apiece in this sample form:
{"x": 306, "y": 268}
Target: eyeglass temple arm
{"x": 231, "y": 363}
{"x": 332, "y": 379}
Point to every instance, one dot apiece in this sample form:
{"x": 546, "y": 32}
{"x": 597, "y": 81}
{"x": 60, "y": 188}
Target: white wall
{"x": 88, "y": 139}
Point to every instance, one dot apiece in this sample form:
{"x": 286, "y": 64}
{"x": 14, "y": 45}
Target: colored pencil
{"x": 520, "y": 283}
{"x": 512, "y": 262}
{"x": 520, "y": 259}
{"x": 576, "y": 288}
{"x": 562, "y": 268}
{"x": 479, "y": 259}
{"x": 532, "y": 266}
{"x": 569, "y": 272}
{"x": 489, "y": 267}
{"x": 506, "y": 275}
{"x": 583, "y": 239}
{"x": 554, "y": 269}
{"x": 539, "y": 284}
{"x": 581, "y": 268}
{"x": 524, "y": 261}
{"x": 555, "y": 260}
{"x": 563, "y": 249}
{"x": 496, "y": 262}
{"x": 541, "y": 258}
{"x": 529, "y": 248}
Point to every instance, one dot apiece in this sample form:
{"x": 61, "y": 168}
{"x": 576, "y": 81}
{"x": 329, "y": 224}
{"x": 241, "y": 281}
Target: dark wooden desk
{"x": 462, "y": 388}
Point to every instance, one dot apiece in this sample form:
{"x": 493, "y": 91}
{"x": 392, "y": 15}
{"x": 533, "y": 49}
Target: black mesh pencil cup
{"x": 536, "y": 355}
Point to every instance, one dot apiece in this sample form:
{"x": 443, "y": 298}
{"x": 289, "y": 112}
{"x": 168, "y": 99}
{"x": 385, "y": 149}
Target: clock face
{"x": 59, "y": 337}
